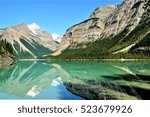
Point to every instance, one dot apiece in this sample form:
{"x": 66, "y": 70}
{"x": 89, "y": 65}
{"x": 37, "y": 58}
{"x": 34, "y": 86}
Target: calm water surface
{"x": 75, "y": 80}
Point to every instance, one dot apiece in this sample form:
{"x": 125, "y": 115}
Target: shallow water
{"x": 76, "y": 80}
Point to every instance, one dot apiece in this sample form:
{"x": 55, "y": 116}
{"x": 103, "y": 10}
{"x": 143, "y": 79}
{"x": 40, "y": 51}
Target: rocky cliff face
{"x": 88, "y": 30}
{"x": 105, "y": 22}
{"x": 126, "y": 15}
{"x": 25, "y": 43}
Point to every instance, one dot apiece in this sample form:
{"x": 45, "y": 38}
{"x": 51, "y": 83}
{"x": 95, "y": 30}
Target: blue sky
{"x": 54, "y": 16}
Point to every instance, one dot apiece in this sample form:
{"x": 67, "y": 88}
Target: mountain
{"x": 86, "y": 31}
{"x": 113, "y": 31}
{"x": 28, "y": 41}
{"x": 57, "y": 37}
{"x": 35, "y": 28}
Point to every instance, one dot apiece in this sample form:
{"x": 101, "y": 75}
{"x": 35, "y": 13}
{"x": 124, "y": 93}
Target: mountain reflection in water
{"x": 75, "y": 80}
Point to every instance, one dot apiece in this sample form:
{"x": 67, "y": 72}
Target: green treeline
{"x": 5, "y": 47}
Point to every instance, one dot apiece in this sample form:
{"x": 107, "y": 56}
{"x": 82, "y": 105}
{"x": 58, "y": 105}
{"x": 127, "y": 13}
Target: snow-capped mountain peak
{"x": 34, "y": 28}
{"x": 56, "y": 37}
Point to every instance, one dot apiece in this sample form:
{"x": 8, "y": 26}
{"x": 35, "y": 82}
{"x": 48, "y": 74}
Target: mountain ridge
{"x": 26, "y": 44}
{"x": 123, "y": 28}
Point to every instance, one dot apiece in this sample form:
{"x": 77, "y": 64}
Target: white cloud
{"x": 56, "y": 37}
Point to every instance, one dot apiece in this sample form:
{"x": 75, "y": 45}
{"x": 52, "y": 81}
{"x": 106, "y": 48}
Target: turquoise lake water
{"x": 62, "y": 80}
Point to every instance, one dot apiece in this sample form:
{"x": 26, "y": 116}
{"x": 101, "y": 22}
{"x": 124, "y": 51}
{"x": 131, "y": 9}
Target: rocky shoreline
{"x": 7, "y": 60}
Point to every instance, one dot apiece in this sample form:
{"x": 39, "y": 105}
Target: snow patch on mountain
{"x": 34, "y": 28}
{"x": 56, "y": 37}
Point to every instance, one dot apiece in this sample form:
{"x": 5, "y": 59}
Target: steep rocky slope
{"x": 86, "y": 31}
{"x": 117, "y": 31}
{"x": 27, "y": 44}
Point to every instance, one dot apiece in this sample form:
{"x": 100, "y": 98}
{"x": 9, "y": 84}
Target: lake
{"x": 77, "y": 80}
